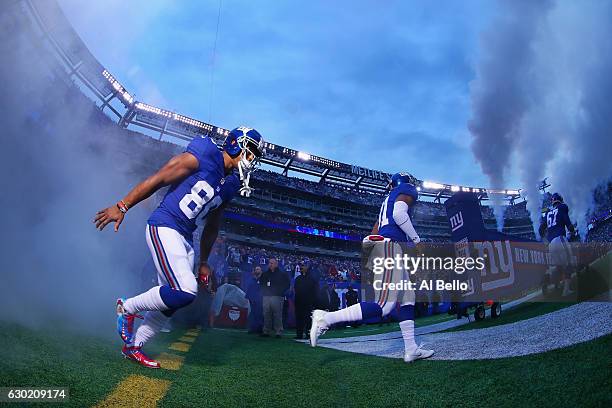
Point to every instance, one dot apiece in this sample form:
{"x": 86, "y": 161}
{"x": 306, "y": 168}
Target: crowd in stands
{"x": 292, "y": 220}
{"x": 601, "y": 232}
{"x": 323, "y": 189}
{"x": 516, "y": 211}
{"x": 228, "y": 254}
{"x": 425, "y": 209}
{"x": 427, "y": 232}
{"x": 347, "y": 193}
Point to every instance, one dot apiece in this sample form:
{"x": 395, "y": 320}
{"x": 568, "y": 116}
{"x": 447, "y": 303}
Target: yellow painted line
{"x": 170, "y": 361}
{"x": 192, "y": 332}
{"x": 187, "y": 339}
{"x": 179, "y": 346}
{"x": 136, "y": 391}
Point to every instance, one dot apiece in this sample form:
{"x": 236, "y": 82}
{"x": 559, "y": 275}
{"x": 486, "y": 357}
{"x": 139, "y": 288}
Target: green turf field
{"x": 231, "y": 368}
{"x": 370, "y": 329}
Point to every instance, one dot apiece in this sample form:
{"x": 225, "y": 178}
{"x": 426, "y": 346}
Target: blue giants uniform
{"x": 386, "y": 224}
{"x": 200, "y": 193}
{"x": 556, "y": 221}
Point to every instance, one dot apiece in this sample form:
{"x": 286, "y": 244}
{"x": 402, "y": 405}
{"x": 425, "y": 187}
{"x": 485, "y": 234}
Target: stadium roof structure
{"x": 82, "y": 66}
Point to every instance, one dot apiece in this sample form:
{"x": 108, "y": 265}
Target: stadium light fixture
{"x": 153, "y": 109}
{"x": 418, "y": 188}
{"x": 455, "y": 188}
{"x": 512, "y": 192}
{"x": 303, "y": 155}
{"x": 193, "y": 122}
{"x": 129, "y": 98}
{"x": 121, "y": 91}
{"x": 432, "y": 185}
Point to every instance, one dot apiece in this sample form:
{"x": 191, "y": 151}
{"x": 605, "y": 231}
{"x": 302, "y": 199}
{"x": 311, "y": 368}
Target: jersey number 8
{"x": 202, "y": 196}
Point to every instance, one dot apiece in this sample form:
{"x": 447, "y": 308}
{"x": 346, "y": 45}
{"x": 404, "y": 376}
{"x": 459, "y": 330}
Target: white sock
{"x": 149, "y": 300}
{"x": 350, "y": 314}
{"x": 153, "y": 323}
{"x": 407, "y": 327}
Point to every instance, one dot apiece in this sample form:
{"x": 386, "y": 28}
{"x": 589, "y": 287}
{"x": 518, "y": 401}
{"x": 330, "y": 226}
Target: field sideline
{"x": 224, "y": 368}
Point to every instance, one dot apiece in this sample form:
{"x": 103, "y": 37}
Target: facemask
{"x": 245, "y": 167}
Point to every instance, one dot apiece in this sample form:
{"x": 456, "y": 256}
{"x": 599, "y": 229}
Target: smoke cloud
{"x": 499, "y": 97}
{"x": 542, "y": 96}
{"x": 588, "y": 63}
{"x": 62, "y": 160}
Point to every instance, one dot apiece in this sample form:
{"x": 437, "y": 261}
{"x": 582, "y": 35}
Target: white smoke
{"x": 560, "y": 125}
{"x": 499, "y": 97}
{"x": 60, "y": 164}
{"x": 584, "y": 29}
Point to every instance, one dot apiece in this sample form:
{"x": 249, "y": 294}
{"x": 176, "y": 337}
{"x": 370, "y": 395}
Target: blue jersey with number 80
{"x": 198, "y": 194}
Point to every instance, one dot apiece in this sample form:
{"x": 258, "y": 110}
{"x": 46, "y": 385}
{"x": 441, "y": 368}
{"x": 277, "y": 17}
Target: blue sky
{"x": 381, "y": 84}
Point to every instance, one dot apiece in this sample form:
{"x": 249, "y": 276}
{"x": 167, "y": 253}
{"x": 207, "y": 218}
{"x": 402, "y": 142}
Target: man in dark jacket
{"x": 352, "y": 298}
{"x": 305, "y": 290}
{"x": 274, "y": 283}
{"x": 334, "y": 299}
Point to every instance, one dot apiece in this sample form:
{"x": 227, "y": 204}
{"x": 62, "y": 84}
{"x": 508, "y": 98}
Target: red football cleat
{"x": 135, "y": 354}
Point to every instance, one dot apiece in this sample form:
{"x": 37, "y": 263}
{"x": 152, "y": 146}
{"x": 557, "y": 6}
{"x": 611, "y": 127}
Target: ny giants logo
{"x": 456, "y": 221}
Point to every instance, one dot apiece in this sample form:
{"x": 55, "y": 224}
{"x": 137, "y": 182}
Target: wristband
{"x": 122, "y": 206}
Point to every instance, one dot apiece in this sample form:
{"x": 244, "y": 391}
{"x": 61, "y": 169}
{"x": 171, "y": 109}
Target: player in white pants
{"x": 395, "y": 227}
{"x": 202, "y": 181}
{"x": 555, "y": 222}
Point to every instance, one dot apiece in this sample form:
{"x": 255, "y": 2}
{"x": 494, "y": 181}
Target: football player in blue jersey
{"x": 202, "y": 181}
{"x": 393, "y": 234}
{"x": 555, "y": 222}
